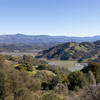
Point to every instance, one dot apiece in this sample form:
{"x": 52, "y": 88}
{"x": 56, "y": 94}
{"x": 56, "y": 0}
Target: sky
{"x": 50, "y": 17}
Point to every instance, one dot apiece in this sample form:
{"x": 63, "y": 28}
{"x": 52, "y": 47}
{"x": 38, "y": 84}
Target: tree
{"x": 76, "y": 80}
{"x": 95, "y": 68}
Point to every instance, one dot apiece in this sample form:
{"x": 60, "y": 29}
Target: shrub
{"x": 76, "y": 80}
{"x": 54, "y": 82}
{"x": 16, "y": 85}
{"x": 25, "y": 67}
{"x": 45, "y": 75}
{"x": 27, "y": 59}
{"x": 95, "y": 68}
{"x": 60, "y": 78}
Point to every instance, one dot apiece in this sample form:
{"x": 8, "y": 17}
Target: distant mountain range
{"x": 28, "y": 43}
{"x": 27, "y": 39}
{"x": 85, "y": 52}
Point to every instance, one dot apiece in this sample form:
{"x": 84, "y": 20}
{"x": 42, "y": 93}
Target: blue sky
{"x": 50, "y": 17}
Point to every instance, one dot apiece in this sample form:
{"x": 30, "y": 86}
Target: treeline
{"x": 27, "y": 78}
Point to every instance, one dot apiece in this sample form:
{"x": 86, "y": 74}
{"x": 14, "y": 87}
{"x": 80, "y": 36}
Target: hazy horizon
{"x": 46, "y": 35}
{"x": 78, "y": 18}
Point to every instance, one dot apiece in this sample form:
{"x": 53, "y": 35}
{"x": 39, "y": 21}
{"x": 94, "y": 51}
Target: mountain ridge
{"x": 27, "y": 39}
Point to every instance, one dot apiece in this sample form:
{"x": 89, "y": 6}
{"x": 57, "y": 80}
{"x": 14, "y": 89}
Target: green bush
{"x": 54, "y": 82}
{"x": 95, "y": 68}
{"x": 77, "y": 80}
{"x": 17, "y": 85}
{"x": 62, "y": 76}
{"x": 27, "y": 59}
{"x": 25, "y": 67}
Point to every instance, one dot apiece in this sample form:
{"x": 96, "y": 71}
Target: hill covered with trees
{"x": 85, "y": 51}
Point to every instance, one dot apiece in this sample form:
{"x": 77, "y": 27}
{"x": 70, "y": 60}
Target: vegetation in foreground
{"x": 27, "y": 78}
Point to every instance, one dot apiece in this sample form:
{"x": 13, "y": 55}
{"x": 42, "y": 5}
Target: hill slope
{"x": 85, "y": 51}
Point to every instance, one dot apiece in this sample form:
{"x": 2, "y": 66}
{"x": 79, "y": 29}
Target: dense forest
{"x": 27, "y": 78}
{"x": 84, "y": 51}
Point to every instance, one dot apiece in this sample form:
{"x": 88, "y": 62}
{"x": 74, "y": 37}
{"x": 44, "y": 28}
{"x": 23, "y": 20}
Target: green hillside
{"x": 85, "y": 51}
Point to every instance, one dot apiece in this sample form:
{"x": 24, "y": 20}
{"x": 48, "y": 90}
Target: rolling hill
{"x": 85, "y": 51}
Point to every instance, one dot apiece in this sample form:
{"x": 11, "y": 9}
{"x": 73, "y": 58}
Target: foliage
{"x": 26, "y": 59}
{"x": 95, "y": 68}
{"x": 44, "y": 75}
{"x": 85, "y": 51}
{"x": 62, "y": 76}
{"x": 17, "y": 85}
{"x": 77, "y": 80}
{"x": 17, "y": 81}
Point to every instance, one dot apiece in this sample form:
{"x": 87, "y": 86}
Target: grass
{"x": 70, "y": 65}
